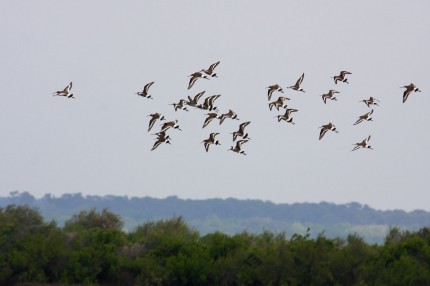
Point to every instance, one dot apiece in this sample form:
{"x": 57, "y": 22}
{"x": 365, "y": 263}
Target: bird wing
{"x": 323, "y": 131}
{"x": 197, "y": 97}
{"x": 192, "y": 81}
{"x": 151, "y": 123}
{"x": 208, "y": 119}
{"x": 324, "y": 97}
{"x": 213, "y": 66}
{"x": 300, "y": 80}
{"x": 406, "y": 94}
{"x": 156, "y": 144}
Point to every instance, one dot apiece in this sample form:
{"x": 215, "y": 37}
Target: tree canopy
{"x": 93, "y": 249}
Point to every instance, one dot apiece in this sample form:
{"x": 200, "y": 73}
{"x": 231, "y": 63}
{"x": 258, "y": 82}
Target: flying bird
{"x": 287, "y": 116}
{"x": 170, "y": 124}
{"x": 65, "y": 91}
{"x": 144, "y": 93}
{"x": 158, "y": 143}
{"x": 362, "y": 144}
{"x": 208, "y": 119}
{"x": 241, "y": 131}
{"x": 273, "y": 88}
{"x": 298, "y": 83}
{"x": 327, "y": 127}
{"x": 364, "y": 117}
{"x": 180, "y": 105}
{"x": 370, "y": 101}
{"x": 278, "y": 103}
{"x": 238, "y": 147}
{"x": 209, "y": 103}
{"x": 341, "y": 77}
{"x": 211, "y": 70}
{"x": 409, "y": 88}
{"x": 194, "y": 101}
{"x": 329, "y": 95}
{"x": 154, "y": 118}
{"x": 211, "y": 140}
{"x": 194, "y": 77}
{"x": 162, "y": 135}
{"x": 230, "y": 114}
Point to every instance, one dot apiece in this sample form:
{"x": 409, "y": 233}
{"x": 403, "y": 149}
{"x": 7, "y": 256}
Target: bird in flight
{"x": 208, "y": 119}
{"x": 230, "y": 114}
{"x": 370, "y": 101}
{"x": 409, "y": 89}
{"x": 327, "y": 127}
{"x": 298, "y": 83}
{"x": 65, "y": 92}
{"x": 287, "y": 116}
{"x": 329, "y": 95}
{"x": 211, "y": 70}
{"x": 363, "y": 144}
{"x": 211, "y": 140}
{"x": 154, "y": 118}
{"x": 194, "y": 77}
{"x": 364, "y": 117}
{"x": 238, "y": 147}
{"x": 241, "y": 131}
{"x": 341, "y": 77}
{"x": 144, "y": 92}
{"x": 273, "y": 88}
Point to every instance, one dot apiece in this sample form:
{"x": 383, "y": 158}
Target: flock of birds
{"x": 209, "y": 105}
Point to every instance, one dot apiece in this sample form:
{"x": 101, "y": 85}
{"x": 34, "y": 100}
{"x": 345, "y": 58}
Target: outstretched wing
{"x": 300, "y": 80}
{"x": 213, "y": 66}
{"x": 323, "y": 132}
{"x": 192, "y": 81}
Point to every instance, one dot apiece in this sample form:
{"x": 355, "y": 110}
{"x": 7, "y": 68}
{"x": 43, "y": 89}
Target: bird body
{"x": 211, "y": 70}
{"x": 210, "y": 140}
{"x": 209, "y": 103}
{"x": 170, "y": 124}
{"x": 238, "y": 147}
{"x": 287, "y": 116}
{"x": 241, "y": 131}
{"x": 209, "y": 118}
{"x": 158, "y": 143}
{"x": 298, "y": 83}
{"x": 363, "y": 144}
{"x": 278, "y": 103}
{"x": 409, "y": 89}
{"x": 154, "y": 118}
{"x": 370, "y": 101}
{"x": 194, "y": 77}
{"x": 180, "y": 105}
{"x": 364, "y": 117}
{"x": 341, "y": 77}
{"x": 145, "y": 91}
{"x": 330, "y": 126}
{"x": 194, "y": 101}
{"x": 273, "y": 88}
{"x": 329, "y": 95}
{"x": 230, "y": 114}
{"x": 65, "y": 92}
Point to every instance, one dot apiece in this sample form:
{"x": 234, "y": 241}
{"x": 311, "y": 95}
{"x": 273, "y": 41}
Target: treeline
{"x": 91, "y": 248}
{"x": 233, "y": 216}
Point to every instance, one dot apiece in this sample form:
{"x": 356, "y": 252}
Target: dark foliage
{"x": 92, "y": 249}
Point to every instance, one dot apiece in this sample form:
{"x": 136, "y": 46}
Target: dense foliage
{"x": 91, "y": 248}
{"x": 232, "y": 216}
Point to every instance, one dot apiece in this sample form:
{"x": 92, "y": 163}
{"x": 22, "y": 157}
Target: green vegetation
{"x": 93, "y": 249}
{"x": 232, "y": 216}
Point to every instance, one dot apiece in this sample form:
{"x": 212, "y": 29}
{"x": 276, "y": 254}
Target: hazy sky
{"x": 98, "y": 144}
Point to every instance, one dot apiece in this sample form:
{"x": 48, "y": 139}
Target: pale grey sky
{"x": 98, "y": 143}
